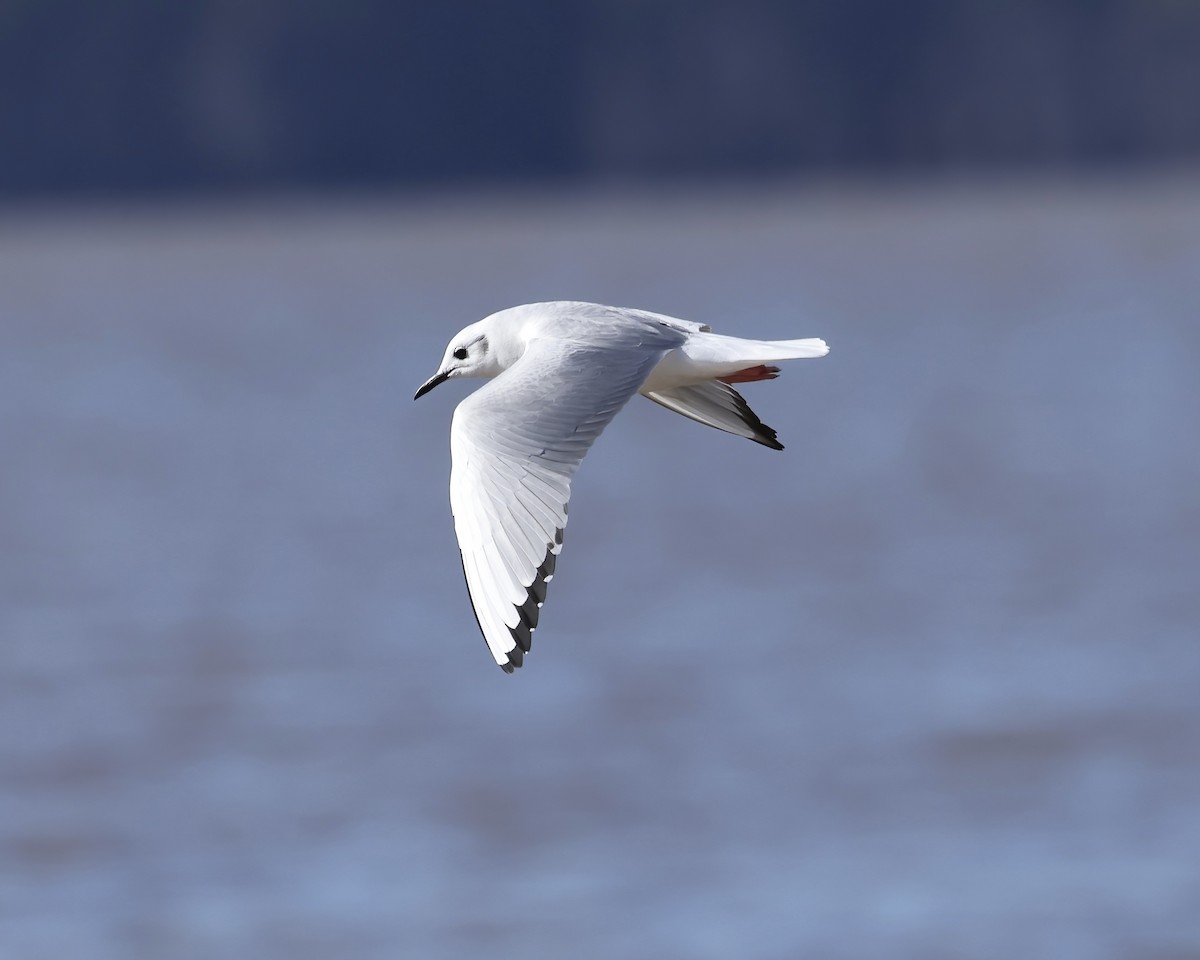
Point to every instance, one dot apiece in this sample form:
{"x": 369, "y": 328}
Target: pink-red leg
{"x": 750, "y": 374}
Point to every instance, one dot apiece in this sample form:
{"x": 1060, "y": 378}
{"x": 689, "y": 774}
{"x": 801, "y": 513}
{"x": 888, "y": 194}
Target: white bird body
{"x": 559, "y": 373}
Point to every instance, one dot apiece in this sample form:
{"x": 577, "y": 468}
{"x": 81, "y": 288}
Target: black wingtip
{"x": 529, "y": 611}
{"x": 762, "y": 433}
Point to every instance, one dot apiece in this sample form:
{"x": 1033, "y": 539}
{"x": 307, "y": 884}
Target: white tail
{"x": 710, "y": 356}
{"x": 797, "y": 349}
{"x": 705, "y": 349}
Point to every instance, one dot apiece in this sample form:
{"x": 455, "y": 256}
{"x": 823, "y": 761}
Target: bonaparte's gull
{"x": 561, "y": 372}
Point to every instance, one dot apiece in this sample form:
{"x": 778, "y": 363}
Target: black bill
{"x": 430, "y": 384}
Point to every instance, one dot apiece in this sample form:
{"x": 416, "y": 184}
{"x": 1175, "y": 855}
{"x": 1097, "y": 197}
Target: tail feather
{"x": 710, "y": 356}
{"x": 803, "y": 349}
{"x": 713, "y": 355}
{"x": 717, "y": 404}
{"x": 768, "y": 350}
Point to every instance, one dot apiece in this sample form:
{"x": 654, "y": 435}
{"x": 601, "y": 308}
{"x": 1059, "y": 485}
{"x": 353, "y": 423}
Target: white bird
{"x": 561, "y": 371}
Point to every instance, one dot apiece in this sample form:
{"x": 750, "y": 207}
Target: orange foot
{"x": 750, "y": 374}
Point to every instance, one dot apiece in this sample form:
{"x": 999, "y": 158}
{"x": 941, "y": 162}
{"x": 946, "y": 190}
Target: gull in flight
{"x": 559, "y": 373}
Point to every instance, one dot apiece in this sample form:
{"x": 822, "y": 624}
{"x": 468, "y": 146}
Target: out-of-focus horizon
{"x": 147, "y": 97}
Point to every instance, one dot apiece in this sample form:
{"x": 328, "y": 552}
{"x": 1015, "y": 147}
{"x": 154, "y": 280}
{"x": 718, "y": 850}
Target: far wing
{"x": 516, "y": 443}
{"x": 717, "y": 404}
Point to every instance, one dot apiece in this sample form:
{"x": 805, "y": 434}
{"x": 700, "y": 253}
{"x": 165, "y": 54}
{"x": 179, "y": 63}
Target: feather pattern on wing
{"x": 516, "y": 443}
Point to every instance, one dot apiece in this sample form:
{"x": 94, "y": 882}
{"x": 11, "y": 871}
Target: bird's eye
{"x": 460, "y": 353}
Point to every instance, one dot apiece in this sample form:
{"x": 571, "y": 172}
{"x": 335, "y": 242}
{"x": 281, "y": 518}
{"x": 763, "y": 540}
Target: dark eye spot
{"x": 460, "y": 353}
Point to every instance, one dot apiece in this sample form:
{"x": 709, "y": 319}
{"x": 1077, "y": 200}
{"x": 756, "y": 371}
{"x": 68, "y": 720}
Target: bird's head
{"x": 472, "y": 353}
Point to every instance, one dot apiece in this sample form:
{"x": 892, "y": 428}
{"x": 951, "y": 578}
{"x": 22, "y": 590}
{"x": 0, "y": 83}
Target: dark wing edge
{"x": 529, "y": 611}
{"x": 716, "y": 404}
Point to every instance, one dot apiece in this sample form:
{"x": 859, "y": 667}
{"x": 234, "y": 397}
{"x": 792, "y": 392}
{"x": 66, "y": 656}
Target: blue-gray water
{"x": 926, "y": 684}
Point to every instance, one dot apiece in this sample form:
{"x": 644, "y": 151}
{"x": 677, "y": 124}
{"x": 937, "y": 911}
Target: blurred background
{"x": 925, "y": 684}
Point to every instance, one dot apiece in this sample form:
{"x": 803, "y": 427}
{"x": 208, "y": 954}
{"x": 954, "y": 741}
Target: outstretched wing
{"x": 516, "y": 443}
